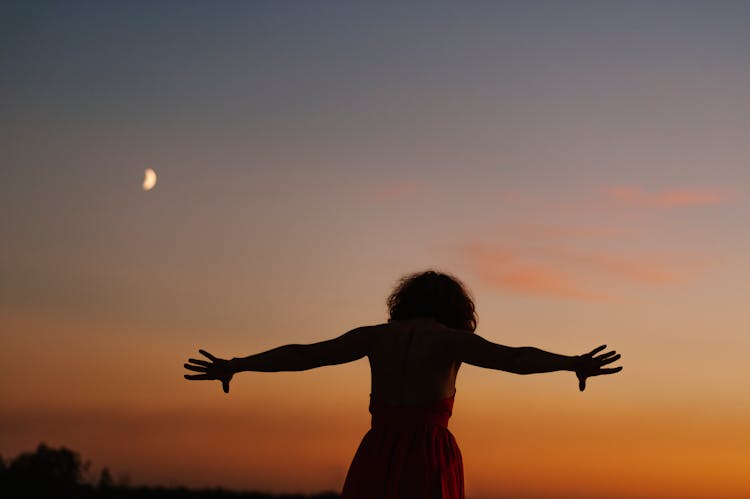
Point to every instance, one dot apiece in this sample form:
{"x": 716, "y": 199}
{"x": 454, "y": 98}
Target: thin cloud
{"x": 504, "y": 269}
{"x": 589, "y": 261}
{"x": 562, "y": 272}
{"x": 668, "y": 198}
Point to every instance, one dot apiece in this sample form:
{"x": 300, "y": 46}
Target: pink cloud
{"x": 668, "y": 198}
{"x": 562, "y": 272}
{"x": 589, "y": 261}
{"x": 505, "y": 270}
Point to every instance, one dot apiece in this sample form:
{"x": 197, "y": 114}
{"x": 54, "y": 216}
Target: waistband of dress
{"x": 433, "y": 413}
{"x": 409, "y": 420}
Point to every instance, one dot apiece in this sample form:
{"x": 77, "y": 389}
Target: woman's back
{"x": 410, "y": 362}
{"x": 408, "y": 451}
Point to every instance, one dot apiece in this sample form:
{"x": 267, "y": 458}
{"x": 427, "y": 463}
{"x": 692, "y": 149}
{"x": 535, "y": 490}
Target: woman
{"x": 414, "y": 360}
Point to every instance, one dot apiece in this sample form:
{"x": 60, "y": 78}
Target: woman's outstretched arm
{"x": 475, "y": 350}
{"x": 348, "y": 347}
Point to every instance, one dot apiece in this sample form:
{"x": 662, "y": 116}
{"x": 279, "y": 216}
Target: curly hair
{"x": 436, "y": 295}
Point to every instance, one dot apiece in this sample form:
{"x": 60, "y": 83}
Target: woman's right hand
{"x": 591, "y": 365}
{"x": 220, "y": 369}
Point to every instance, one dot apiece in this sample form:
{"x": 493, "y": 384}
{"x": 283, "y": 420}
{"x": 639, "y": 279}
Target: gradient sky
{"x": 582, "y": 166}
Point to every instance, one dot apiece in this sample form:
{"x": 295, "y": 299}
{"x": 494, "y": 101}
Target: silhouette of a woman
{"x": 414, "y": 360}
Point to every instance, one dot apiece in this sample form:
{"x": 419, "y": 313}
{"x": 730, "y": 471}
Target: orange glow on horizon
{"x": 290, "y": 432}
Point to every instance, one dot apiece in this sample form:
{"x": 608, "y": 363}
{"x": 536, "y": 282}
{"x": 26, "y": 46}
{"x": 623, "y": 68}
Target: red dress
{"x": 407, "y": 454}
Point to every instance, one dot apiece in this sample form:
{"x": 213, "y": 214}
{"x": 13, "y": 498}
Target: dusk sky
{"x": 582, "y": 166}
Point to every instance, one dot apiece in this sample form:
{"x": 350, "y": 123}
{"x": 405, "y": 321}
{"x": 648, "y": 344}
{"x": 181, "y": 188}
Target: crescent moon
{"x": 149, "y": 179}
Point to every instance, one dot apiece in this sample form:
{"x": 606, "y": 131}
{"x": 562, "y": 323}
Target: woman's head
{"x": 436, "y": 295}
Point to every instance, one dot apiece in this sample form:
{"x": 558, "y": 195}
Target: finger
{"x": 606, "y": 355}
{"x": 597, "y": 349}
{"x": 206, "y": 354}
{"x": 609, "y": 360}
{"x": 225, "y": 386}
{"x": 198, "y": 376}
{"x": 609, "y": 370}
{"x": 199, "y": 362}
{"x": 581, "y": 384}
{"x": 199, "y": 369}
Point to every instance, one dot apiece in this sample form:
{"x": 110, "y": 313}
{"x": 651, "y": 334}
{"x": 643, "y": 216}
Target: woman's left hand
{"x": 217, "y": 368}
{"x": 591, "y": 364}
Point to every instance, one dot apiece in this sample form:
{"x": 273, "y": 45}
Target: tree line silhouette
{"x": 62, "y": 473}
